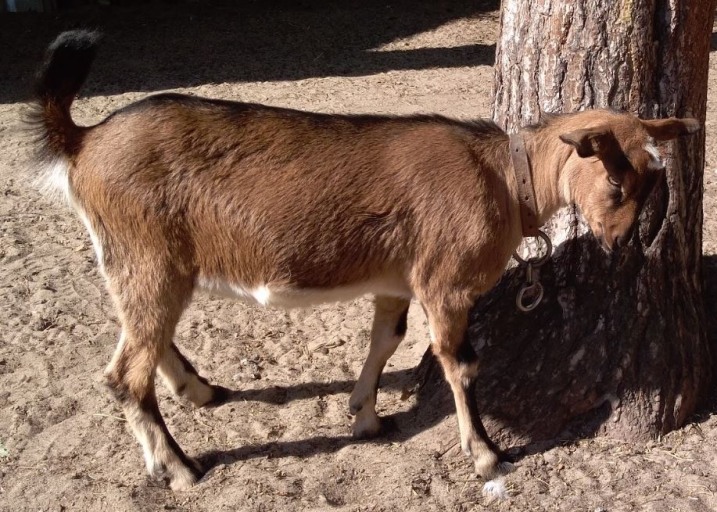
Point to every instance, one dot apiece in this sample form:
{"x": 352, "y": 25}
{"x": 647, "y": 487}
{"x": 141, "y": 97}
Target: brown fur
{"x": 181, "y": 193}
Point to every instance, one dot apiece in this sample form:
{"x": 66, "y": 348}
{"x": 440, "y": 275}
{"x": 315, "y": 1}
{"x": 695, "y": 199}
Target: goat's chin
{"x": 600, "y": 238}
{"x": 607, "y": 250}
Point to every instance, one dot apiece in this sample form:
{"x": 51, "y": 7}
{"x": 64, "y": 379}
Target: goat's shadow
{"x": 397, "y": 427}
{"x": 526, "y": 409}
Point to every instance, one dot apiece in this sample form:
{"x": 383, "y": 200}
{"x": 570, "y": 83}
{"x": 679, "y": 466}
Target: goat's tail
{"x": 66, "y": 66}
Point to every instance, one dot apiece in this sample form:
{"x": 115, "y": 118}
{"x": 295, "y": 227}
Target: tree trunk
{"x": 619, "y": 344}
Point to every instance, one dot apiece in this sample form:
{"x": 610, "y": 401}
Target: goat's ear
{"x": 666, "y": 129}
{"x": 589, "y": 141}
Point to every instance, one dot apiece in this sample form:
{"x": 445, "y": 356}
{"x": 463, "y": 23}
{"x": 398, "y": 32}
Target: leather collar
{"x": 524, "y": 180}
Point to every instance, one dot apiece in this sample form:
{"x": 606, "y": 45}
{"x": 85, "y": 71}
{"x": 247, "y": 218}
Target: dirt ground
{"x": 285, "y": 443}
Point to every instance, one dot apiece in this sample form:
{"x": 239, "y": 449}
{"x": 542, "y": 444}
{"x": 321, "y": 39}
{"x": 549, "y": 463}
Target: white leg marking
{"x": 117, "y": 353}
{"x": 495, "y": 489}
{"x": 96, "y": 242}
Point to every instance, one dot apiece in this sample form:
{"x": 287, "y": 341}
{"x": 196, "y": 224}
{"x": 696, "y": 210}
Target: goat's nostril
{"x": 616, "y": 243}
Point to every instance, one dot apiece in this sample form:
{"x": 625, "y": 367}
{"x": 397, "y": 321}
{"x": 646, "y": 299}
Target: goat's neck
{"x": 548, "y": 155}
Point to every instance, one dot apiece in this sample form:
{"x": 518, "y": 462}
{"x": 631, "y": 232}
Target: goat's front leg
{"x": 389, "y": 328}
{"x": 460, "y": 366}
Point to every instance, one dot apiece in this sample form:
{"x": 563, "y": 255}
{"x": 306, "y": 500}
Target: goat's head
{"x": 615, "y": 166}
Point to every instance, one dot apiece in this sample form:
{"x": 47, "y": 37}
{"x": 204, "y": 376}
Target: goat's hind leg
{"x": 184, "y": 381}
{"x": 148, "y": 312}
{"x": 389, "y": 328}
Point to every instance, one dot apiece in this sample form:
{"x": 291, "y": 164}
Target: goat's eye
{"x": 613, "y": 181}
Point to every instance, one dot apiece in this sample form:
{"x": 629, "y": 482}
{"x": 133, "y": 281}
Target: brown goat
{"x": 288, "y": 208}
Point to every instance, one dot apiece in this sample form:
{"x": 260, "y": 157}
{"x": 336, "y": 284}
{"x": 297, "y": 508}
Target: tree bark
{"x": 619, "y": 344}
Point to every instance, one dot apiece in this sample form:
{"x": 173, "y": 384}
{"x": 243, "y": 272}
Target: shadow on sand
{"x": 157, "y": 46}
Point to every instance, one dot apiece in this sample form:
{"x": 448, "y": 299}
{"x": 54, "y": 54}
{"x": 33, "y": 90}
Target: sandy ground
{"x": 284, "y": 444}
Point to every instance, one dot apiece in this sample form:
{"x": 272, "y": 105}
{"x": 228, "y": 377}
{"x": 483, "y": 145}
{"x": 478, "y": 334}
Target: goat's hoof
{"x": 492, "y": 466}
{"x": 184, "y": 477}
{"x": 366, "y": 427}
{"x": 370, "y": 429}
{"x": 220, "y": 396}
{"x": 182, "y": 482}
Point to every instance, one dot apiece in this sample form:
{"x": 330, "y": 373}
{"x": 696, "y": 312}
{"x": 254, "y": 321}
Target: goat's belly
{"x": 288, "y": 297}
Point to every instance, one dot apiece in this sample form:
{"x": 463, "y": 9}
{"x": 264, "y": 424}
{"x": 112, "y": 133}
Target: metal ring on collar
{"x": 534, "y": 303}
{"x": 538, "y": 261}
